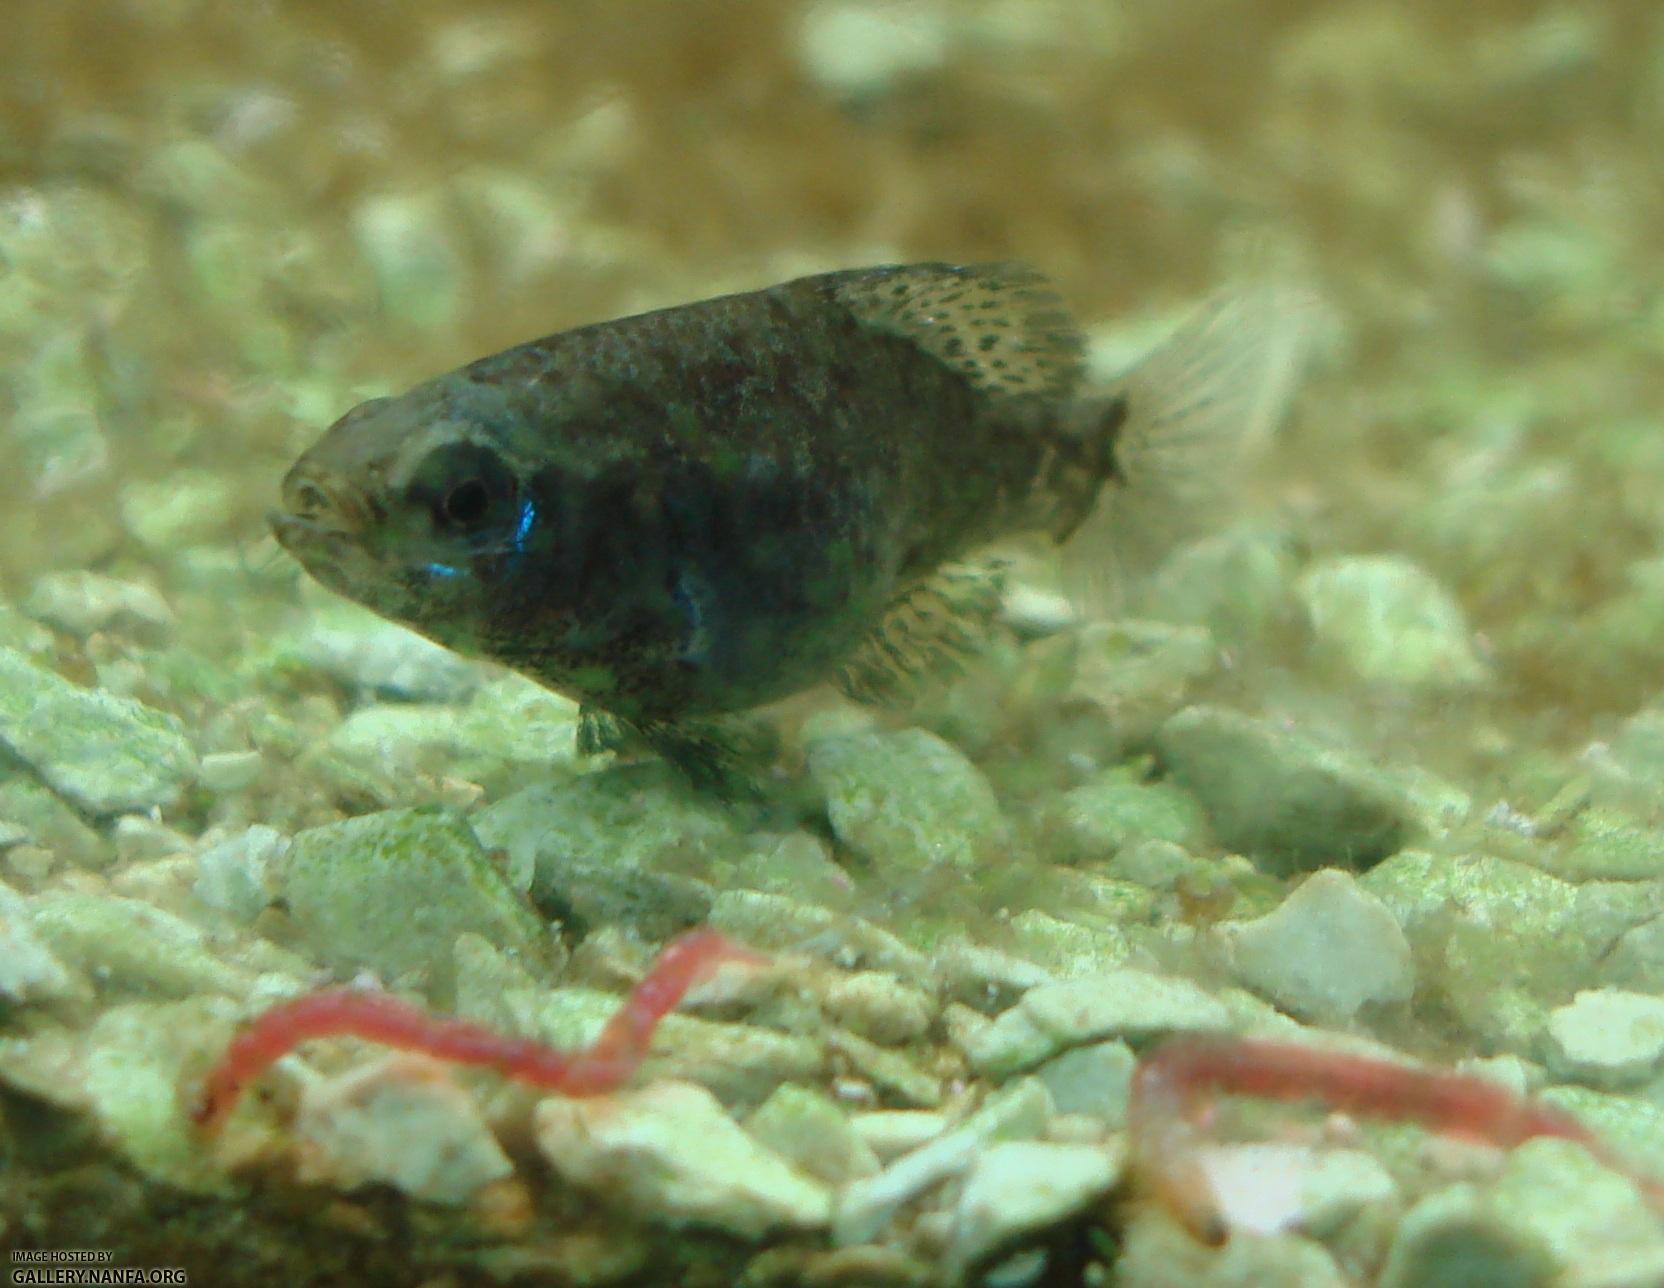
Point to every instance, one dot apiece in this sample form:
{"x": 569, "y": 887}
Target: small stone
{"x": 140, "y": 838}
{"x": 104, "y": 754}
{"x": 1096, "y": 820}
{"x": 128, "y": 944}
{"x": 1637, "y": 959}
{"x": 1236, "y": 584}
{"x": 1555, "y": 1216}
{"x": 1065, "y": 948}
{"x": 1328, "y": 950}
{"x": 625, "y": 845}
{"x": 811, "y": 1133}
{"x": 134, "y": 1065}
{"x": 1021, "y": 1110}
{"x": 669, "y": 1153}
{"x": 1281, "y": 798}
{"x": 365, "y": 652}
{"x": 1608, "y": 1036}
{"x": 1135, "y": 670}
{"x": 391, "y": 891}
{"x": 892, "y": 1132}
{"x": 29, "y": 971}
{"x": 1118, "y": 1003}
{"x": 80, "y": 603}
{"x": 241, "y": 874}
{"x": 1601, "y": 845}
{"x": 770, "y": 921}
{"x": 908, "y": 801}
{"x": 739, "y": 1062}
{"x": 1020, "y": 1188}
{"x": 878, "y": 1006}
{"x": 892, "y": 1071}
{"x": 857, "y": 50}
{"x": 226, "y": 772}
{"x": 1157, "y": 865}
{"x": 1508, "y": 936}
{"x": 1157, "y": 1252}
{"x": 406, "y": 239}
{"x": 1268, "y": 1187}
{"x": 1091, "y": 1080}
{"x": 1389, "y": 622}
{"x": 51, "y": 824}
{"x": 186, "y": 508}
{"x": 401, "y": 1121}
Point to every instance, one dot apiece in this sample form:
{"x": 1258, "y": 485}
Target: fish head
{"x": 418, "y": 508}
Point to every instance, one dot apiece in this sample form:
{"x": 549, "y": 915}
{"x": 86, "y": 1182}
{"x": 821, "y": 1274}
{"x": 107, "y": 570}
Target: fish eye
{"x": 466, "y": 503}
{"x": 464, "y": 487}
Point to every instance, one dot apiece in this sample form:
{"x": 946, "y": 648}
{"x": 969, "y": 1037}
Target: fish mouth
{"x": 328, "y": 553}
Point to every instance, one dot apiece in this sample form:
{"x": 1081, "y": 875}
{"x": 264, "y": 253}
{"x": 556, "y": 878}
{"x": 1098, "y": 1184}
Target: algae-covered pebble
{"x": 1116, "y": 1003}
{"x": 1092, "y": 1079}
{"x": 1608, "y": 1036}
{"x": 1555, "y": 1216}
{"x": 813, "y": 1134}
{"x": 1020, "y": 1110}
{"x": 241, "y": 873}
{"x": 1115, "y": 809}
{"x": 135, "y": 1063}
{"x": 103, "y": 754}
{"x": 1389, "y": 622}
{"x": 670, "y": 1155}
{"x": 1329, "y": 949}
{"x": 29, "y": 970}
{"x": 1282, "y": 798}
{"x": 364, "y": 652}
{"x": 188, "y": 506}
{"x": 81, "y": 602}
{"x": 1019, "y": 1188}
{"x": 628, "y": 844}
{"x": 392, "y": 891}
{"x": 129, "y": 944}
{"x": 400, "y": 1121}
{"x": 908, "y": 801}
{"x": 879, "y": 1006}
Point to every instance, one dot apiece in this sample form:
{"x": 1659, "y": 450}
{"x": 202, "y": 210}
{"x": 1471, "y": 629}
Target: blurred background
{"x": 223, "y": 224}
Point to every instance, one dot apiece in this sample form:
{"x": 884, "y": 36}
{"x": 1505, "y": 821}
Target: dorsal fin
{"x": 1002, "y": 325}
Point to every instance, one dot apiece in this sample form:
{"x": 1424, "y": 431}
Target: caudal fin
{"x": 1216, "y": 388}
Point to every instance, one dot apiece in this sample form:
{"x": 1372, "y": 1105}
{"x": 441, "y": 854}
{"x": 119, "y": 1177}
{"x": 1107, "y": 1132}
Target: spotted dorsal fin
{"x": 1002, "y": 325}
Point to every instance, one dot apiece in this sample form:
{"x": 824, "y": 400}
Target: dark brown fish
{"x": 695, "y": 511}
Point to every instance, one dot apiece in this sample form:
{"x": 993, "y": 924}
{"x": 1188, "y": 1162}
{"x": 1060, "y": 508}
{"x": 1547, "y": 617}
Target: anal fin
{"x": 927, "y": 633}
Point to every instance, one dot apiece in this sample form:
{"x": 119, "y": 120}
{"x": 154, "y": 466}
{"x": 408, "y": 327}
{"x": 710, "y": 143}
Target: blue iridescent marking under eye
{"x": 441, "y": 569}
{"x": 523, "y": 527}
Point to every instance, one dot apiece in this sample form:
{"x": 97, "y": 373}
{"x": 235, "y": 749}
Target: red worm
{"x": 1171, "y": 1085}
{"x": 380, "y": 1017}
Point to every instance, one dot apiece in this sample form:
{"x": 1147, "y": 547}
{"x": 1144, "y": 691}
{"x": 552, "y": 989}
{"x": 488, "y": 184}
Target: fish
{"x": 678, "y": 517}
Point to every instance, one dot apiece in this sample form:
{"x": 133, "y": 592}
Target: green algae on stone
{"x": 908, "y": 801}
{"x": 1285, "y": 800}
{"x": 1497, "y": 940}
{"x": 392, "y": 891}
{"x": 104, "y": 754}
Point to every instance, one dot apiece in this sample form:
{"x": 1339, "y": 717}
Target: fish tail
{"x": 1178, "y": 426}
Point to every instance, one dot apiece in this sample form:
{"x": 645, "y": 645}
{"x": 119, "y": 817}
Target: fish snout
{"x": 320, "y": 499}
